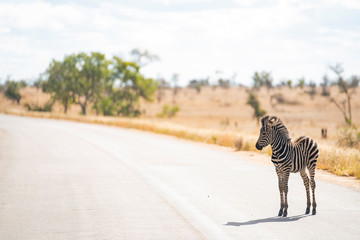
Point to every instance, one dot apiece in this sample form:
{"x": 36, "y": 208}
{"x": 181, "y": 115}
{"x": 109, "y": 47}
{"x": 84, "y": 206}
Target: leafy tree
{"x": 123, "y": 99}
{"x": 128, "y": 73}
{"x": 255, "y": 104}
{"x": 92, "y": 78}
{"x": 60, "y": 81}
{"x": 113, "y": 87}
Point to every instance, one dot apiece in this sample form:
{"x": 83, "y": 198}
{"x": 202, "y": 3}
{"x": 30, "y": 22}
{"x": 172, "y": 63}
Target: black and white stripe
{"x": 289, "y": 156}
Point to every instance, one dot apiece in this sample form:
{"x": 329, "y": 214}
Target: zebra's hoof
{"x": 307, "y": 211}
{"x": 285, "y": 213}
{"x": 314, "y": 212}
{"x": 280, "y": 213}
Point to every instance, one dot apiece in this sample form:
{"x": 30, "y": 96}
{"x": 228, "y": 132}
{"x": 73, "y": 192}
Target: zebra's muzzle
{"x": 258, "y": 147}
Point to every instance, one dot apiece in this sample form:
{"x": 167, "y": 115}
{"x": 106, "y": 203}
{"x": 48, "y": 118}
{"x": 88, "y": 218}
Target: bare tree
{"x": 175, "y": 79}
{"x": 348, "y": 88}
{"x": 143, "y": 58}
{"x": 162, "y": 84}
{"x": 325, "y": 86}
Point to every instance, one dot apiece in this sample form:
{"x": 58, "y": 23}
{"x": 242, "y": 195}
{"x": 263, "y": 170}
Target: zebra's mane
{"x": 284, "y": 132}
{"x": 278, "y": 124}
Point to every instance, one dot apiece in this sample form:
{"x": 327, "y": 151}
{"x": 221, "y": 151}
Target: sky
{"x": 195, "y": 39}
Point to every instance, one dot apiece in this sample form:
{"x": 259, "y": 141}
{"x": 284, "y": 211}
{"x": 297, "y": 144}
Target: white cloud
{"x": 350, "y": 4}
{"x": 191, "y": 43}
{"x": 4, "y": 30}
{"x": 27, "y": 16}
{"x": 166, "y": 2}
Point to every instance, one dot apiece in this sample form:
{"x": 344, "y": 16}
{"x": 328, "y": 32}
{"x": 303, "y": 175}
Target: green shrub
{"x": 12, "y": 90}
{"x": 46, "y": 108}
{"x": 168, "y": 111}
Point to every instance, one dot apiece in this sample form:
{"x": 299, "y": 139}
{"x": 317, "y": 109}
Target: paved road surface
{"x": 65, "y": 180}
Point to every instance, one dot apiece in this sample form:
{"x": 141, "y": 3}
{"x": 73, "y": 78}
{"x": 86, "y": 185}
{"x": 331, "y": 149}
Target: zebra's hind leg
{"x": 285, "y": 184}
{"x": 280, "y": 178}
{"x": 313, "y": 185}
{"x": 306, "y": 184}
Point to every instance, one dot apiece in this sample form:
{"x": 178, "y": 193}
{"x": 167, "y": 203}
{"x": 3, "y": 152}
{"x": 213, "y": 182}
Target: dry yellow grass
{"x": 218, "y": 116}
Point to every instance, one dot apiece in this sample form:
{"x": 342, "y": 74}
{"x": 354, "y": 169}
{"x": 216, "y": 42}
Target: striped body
{"x": 295, "y": 156}
{"x": 289, "y": 156}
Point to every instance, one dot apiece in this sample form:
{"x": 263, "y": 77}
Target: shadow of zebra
{"x": 267, "y": 220}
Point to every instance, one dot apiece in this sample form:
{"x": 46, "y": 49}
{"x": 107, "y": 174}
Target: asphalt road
{"x": 65, "y": 180}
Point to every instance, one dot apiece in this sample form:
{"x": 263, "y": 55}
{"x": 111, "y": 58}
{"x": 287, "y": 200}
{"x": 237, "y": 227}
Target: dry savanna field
{"x": 221, "y": 116}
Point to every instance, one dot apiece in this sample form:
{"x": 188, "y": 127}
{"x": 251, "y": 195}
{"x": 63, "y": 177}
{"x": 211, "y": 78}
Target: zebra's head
{"x": 266, "y": 129}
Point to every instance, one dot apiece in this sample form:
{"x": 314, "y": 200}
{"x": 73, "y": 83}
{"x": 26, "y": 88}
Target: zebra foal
{"x": 288, "y": 156}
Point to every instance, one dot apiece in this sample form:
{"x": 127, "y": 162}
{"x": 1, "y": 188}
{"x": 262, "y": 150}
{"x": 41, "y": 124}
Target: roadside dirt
{"x": 264, "y": 159}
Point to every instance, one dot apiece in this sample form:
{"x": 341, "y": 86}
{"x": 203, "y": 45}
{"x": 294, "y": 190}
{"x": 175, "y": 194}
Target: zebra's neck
{"x": 281, "y": 141}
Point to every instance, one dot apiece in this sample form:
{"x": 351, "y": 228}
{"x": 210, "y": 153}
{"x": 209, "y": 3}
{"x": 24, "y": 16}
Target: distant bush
{"x": 262, "y": 79}
{"x": 168, "y": 111}
{"x": 46, "y": 108}
{"x": 224, "y": 83}
{"x": 225, "y": 122}
{"x": 325, "y": 86}
{"x": 312, "y": 90}
{"x": 197, "y": 84}
{"x": 349, "y": 136}
{"x": 301, "y": 83}
{"x": 279, "y": 98}
{"x": 12, "y": 90}
{"x": 238, "y": 143}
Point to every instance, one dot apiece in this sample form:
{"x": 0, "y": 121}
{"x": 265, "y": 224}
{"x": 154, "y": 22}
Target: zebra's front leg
{"x": 280, "y": 178}
{"x": 285, "y": 187}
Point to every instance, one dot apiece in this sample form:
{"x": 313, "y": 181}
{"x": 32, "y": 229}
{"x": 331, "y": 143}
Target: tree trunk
{"x": 349, "y": 108}
{"x": 96, "y": 108}
{"x": 65, "y": 107}
{"x": 342, "y": 109}
{"x": 83, "y": 108}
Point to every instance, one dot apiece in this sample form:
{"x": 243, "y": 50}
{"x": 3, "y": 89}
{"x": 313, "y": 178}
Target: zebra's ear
{"x": 272, "y": 121}
{"x": 263, "y": 120}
